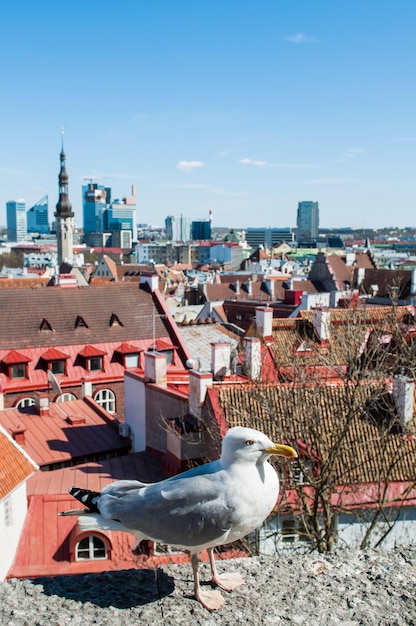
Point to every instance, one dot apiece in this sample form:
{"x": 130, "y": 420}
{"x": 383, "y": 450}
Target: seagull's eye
{"x": 249, "y": 442}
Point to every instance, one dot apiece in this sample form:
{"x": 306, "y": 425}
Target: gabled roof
{"x": 313, "y": 416}
{"x": 15, "y": 357}
{"x": 15, "y": 465}
{"x": 199, "y": 338}
{"x": 134, "y": 307}
{"x": 52, "y": 354}
{"x": 91, "y": 351}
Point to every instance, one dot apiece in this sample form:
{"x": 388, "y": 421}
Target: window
{"x": 293, "y": 530}
{"x": 66, "y": 396}
{"x": 18, "y": 370}
{"x": 95, "y": 363}
{"x": 91, "y": 548}
{"x": 106, "y": 399}
{"x": 8, "y": 512}
{"x": 57, "y": 367}
{"x": 131, "y": 360}
{"x": 24, "y": 403}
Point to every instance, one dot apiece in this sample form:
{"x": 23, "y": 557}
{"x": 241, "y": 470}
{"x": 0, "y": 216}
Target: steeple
{"x": 64, "y": 214}
{"x": 63, "y": 207}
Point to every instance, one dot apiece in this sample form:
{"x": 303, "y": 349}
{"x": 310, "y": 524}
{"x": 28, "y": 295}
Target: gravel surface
{"x": 348, "y": 588}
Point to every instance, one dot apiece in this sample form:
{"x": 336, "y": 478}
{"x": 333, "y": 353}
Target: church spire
{"x": 64, "y": 206}
{"x": 64, "y": 214}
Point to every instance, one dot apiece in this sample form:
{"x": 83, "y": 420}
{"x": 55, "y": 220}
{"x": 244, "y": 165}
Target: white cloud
{"x": 253, "y": 162}
{"x": 189, "y": 166}
{"x": 300, "y": 38}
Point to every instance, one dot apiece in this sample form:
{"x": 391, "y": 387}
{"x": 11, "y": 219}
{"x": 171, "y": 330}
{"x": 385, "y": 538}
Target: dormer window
{"x": 128, "y": 355}
{"x": 16, "y": 364}
{"x": 165, "y": 347}
{"x": 115, "y": 320}
{"x": 93, "y": 358}
{"x": 55, "y": 361}
{"x": 45, "y": 325}
{"x": 80, "y": 322}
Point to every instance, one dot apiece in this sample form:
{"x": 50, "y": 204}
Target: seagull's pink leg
{"x": 229, "y": 581}
{"x": 211, "y": 600}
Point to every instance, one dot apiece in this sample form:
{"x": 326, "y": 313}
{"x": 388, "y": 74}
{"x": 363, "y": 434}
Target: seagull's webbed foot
{"x": 211, "y": 600}
{"x": 228, "y": 581}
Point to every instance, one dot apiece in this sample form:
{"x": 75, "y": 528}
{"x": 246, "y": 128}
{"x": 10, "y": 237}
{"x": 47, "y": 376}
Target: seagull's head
{"x": 247, "y": 444}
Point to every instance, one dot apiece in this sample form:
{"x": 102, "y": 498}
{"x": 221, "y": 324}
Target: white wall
{"x": 16, "y": 504}
{"x": 135, "y": 411}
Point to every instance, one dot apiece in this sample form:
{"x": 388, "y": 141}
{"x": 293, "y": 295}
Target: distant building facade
{"x": 37, "y": 217}
{"x": 16, "y": 220}
{"x": 268, "y": 237}
{"x": 201, "y": 230}
{"x": 307, "y": 223}
{"x": 178, "y": 228}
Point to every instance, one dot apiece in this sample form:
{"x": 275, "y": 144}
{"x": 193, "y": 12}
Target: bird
{"x": 207, "y": 506}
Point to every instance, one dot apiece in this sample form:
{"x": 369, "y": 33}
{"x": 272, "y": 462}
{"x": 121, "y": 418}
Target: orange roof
{"x": 15, "y": 465}
{"x": 90, "y": 351}
{"x": 15, "y": 357}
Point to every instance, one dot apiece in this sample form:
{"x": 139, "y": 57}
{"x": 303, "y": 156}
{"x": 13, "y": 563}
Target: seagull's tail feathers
{"x": 87, "y": 497}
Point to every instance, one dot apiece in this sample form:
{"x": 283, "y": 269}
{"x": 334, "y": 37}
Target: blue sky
{"x": 242, "y": 107}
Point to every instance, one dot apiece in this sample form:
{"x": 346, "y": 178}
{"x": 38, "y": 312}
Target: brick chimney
{"x": 42, "y": 403}
{"x": 321, "y": 319}
{"x": 220, "y": 358}
{"x": 403, "y": 390}
{"x": 155, "y": 368}
{"x": 264, "y": 321}
{"x": 198, "y": 384}
{"x": 18, "y": 434}
{"x": 252, "y": 357}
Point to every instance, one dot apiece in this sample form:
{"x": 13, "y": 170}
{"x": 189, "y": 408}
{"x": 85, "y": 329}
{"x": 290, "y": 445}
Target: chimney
{"x": 42, "y": 403}
{"x": 237, "y": 286}
{"x": 18, "y": 434}
{"x": 252, "y": 357}
{"x": 403, "y": 389}
{"x": 198, "y": 384}
{"x": 360, "y": 275}
{"x": 155, "y": 368}
{"x": 264, "y": 321}
{"x": 86, "y": 386}
{"x": 220, "y": 358}
{"x": 150, "y": 279}
{"x": 249, "y": 284}
{"x": 321, "y": 319}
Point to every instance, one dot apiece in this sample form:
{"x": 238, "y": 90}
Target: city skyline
{"x": 244, "y": 109}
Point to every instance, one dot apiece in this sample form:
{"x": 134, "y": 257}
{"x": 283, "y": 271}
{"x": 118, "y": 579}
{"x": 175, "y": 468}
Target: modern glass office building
{"x": 16, "y": 220}
{"x": 37, "y": 217}
{"x": 307, "y": 221}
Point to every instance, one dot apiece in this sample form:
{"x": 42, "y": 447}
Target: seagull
{"x": 207, "y": 506}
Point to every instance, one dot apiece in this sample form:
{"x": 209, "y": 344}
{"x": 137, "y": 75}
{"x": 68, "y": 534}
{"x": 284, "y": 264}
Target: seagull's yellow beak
{"x": 282, "y": 450}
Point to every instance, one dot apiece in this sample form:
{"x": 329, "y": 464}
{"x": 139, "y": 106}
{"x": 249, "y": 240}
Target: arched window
{"x": 106, "y": 399}
{"x": 66, "y": 396}
{"x": 24, "y": 403}
{"x": 91, "y": 548}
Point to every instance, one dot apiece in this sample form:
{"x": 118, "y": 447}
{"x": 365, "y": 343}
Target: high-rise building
{"x": 95, "y": 199}
{"x": 201, "y": 230}
{"x": 64, "y": 215}
{"x": 102, "y": 215}
{"x": 37, "y": 217}
{"x": 307, "y": 221}
{"x": 16, "y": 220}
{"x": 178, "y": 228}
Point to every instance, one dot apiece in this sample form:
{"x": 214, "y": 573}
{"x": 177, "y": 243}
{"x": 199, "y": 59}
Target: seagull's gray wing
{"x": 187, "y": 510}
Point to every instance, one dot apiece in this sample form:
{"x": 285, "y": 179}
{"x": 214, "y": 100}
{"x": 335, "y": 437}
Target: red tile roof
{"x": 15, "y": 357}
{"x": 15, "y": 465}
